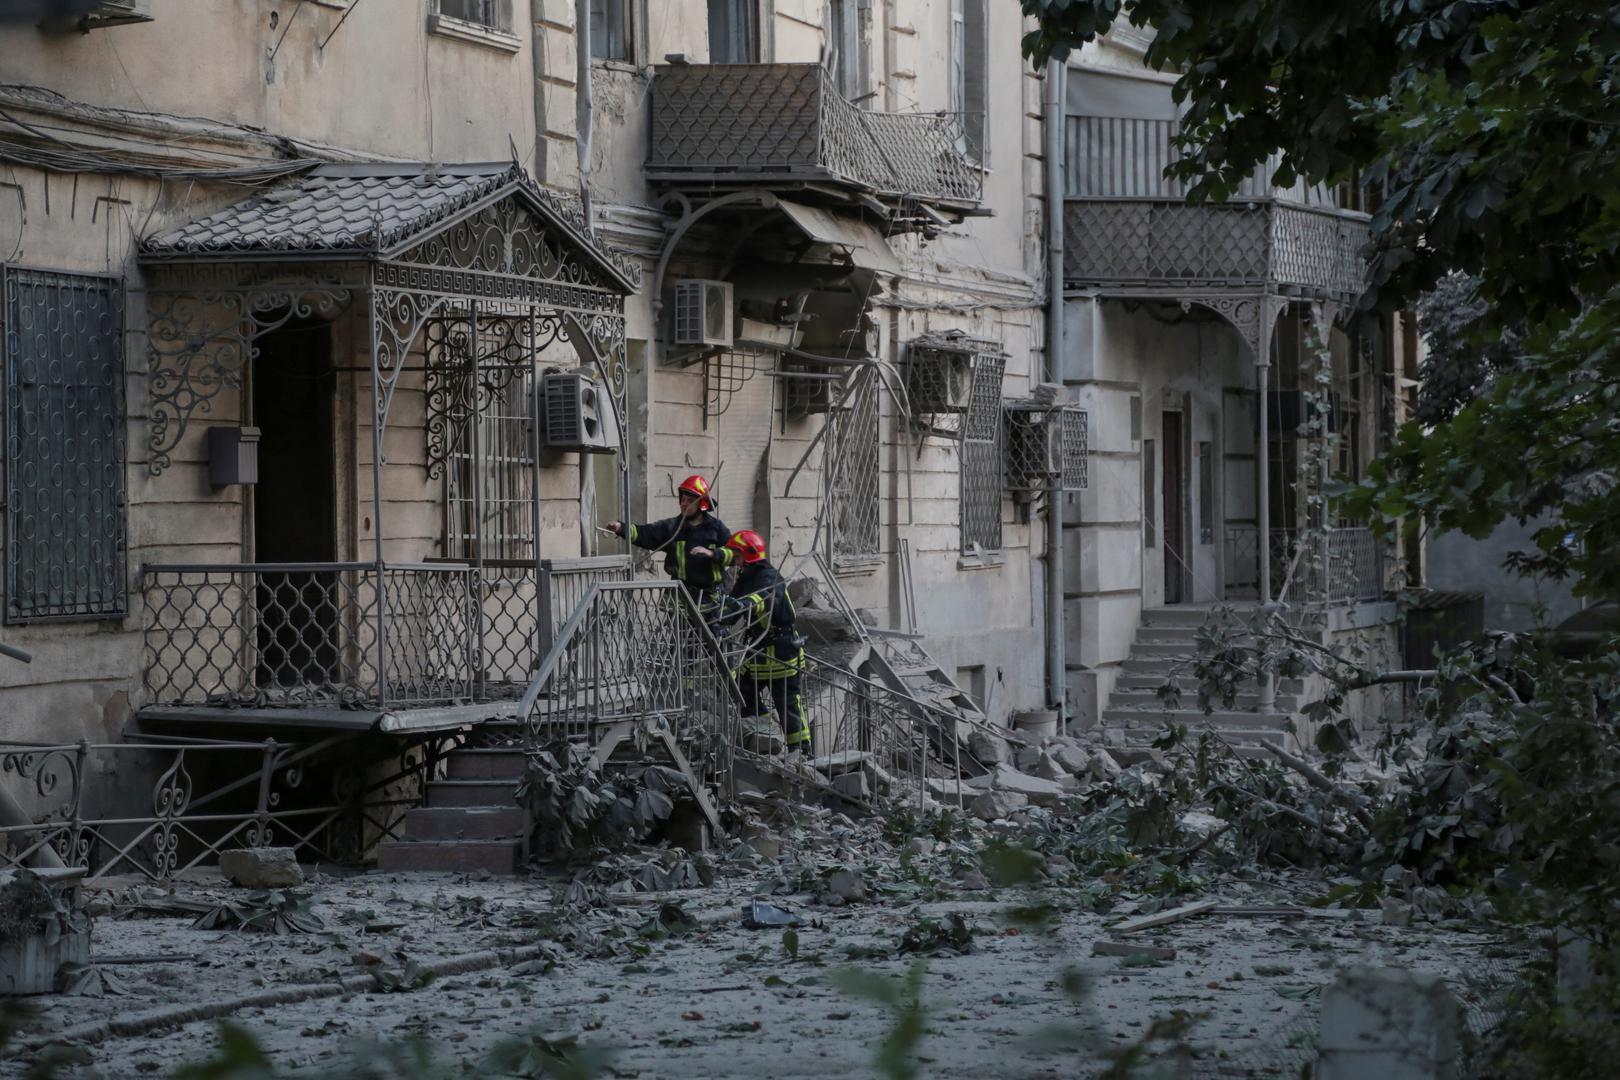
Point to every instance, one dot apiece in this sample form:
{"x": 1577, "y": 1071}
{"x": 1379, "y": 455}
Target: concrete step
{"x": 449, "y": 856}
{"x": 1155, "y": 665}
{"x": 1187, "y": 616}
{"x": 1149, "y": 649}
{"x": 1244, "y": 702}
{"x": 501, "y": 793}
{"x": 1166, "y": 635}
{"x": 1189, "y": 684}
{"x": 1241, "y": 738}
{"x": 465, "y": 823}
{"x": 1192, "y": 718}
{"x": 486, "y": 764}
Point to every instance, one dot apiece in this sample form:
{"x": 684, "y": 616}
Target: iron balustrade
{"x": 1255, "y": 244}
{"x": 784, "y": 122}
{"x": 206, "y": 797}
{"x": 638, "y": 652}
{"x": 309, "y": 634}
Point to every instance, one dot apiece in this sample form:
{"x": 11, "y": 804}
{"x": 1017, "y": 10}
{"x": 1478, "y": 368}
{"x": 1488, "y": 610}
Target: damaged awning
{"x": 861, "y": 241}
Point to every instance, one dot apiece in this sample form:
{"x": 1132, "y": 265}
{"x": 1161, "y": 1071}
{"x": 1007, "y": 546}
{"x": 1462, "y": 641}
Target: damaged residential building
{"x": 330, "y": 351}
{"x": 1178, "y": 321}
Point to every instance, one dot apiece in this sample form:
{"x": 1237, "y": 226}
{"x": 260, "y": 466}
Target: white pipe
{"x": 1056, "y": 662}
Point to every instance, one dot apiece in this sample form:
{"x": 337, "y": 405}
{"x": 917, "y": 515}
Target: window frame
{"x": 113, "y": 598}
{"x": 626, "y": 13}
{"x": 968, "y": 76}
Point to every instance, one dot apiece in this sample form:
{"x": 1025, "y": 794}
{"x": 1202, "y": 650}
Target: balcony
{"x": 747, "y": 124}
{"x": 1162, "y": 246}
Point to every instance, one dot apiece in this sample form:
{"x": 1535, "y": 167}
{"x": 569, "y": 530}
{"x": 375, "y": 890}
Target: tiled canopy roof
{"x": 367, "y": 210}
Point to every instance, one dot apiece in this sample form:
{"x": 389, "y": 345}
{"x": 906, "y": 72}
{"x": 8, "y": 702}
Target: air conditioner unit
{"x": 703, "y": 313}
{"x": 939, "y": 379}
{"x": 118, "y": 12}
{"x": 1046, "y": 444}
{"x": 577, "y": 414}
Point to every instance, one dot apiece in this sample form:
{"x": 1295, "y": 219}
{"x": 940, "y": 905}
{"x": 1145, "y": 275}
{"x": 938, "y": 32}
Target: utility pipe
{"x": 1056, "y": 662}
{"x": 584, "y": 103}
{"x": 1262, "y": 378}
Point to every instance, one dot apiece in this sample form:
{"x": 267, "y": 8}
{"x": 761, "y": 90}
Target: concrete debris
{"x": 261, "y": 868}
{"x": 762, "y": 736}
{"x": 1026, "y": 758}
{"x": 853, "y": 784}
{"x": 1006, "y": 778}
{"x": 987, "y": 749}
{"x": 1396, "y": 913}
{"x": 846, "y": 885}
{"x": 1072, "y": 758}
{"x": 1126, "y": 756}
{"x": 921, "y": 845}
{"x": 1164, "y": 918}
{"x": 842, "y": 762}
{"x": 997, "y": 803}
{"x": 1392, "y": 1024}
{"x": 1104, "y": 766}
{"x": 1200, "y": 824}
{"x": 1046, "y": 767}
{"x": 1125, "y": 948}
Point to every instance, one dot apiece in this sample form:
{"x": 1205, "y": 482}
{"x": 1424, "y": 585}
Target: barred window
{"x": 64, "y": 440}
{"x": 852, "y": 470}
{"x": 980, "y": 457}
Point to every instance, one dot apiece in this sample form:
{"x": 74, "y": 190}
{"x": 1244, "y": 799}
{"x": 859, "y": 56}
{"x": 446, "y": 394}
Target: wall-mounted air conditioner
{"x": 703, "y": 313}
{"x": 67, "y": 16}
{"x": 1046, "y": 443}
{"x": 576, "y": 414}
{"x": 939, "y": 379}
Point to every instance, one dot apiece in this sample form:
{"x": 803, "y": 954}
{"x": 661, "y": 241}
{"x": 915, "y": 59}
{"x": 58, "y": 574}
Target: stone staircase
{"x": 470, "y": 820}
{"x": 1164, "y": 646}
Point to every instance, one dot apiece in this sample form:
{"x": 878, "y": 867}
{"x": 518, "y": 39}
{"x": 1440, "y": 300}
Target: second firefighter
{"x": 775, "y": 655}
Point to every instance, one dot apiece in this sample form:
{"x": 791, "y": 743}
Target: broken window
{"x": 493, "y": 14}
{"x": 980, "y": 457}
{"x": 733, "y": 32}
{"x": 610, "y": 29}
{"x": 852, "y": 471}
{"x": 969, "y": 83}
{"x": 64, "y": 516}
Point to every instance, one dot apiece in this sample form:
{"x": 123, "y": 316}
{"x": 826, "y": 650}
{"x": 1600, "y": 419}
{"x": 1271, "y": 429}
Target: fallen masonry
{"x": 1120, "y": 904}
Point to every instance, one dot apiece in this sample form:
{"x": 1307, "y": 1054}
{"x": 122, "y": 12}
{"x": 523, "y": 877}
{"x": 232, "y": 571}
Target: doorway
{"x": 1174, "y": 549}
{"x": 294, "y": 508}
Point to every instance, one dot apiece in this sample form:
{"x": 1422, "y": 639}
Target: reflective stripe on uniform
{"x": 680, "y": 560}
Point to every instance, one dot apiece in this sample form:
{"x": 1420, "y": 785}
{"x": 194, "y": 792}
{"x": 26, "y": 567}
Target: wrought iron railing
{"x": 206, "y": 797}
{"x": 1165, "y": 244}
{"x": 900, "y": 735}
{"x": 1333, "y": 567}
{"x": 732, "y": 122}
{"x": 309, "y": 634}
{"x": 637, "y": 652}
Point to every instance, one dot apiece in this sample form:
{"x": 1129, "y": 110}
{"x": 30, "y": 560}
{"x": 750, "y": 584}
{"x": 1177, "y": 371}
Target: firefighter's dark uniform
{"x": 676, "y": 537}
{"x": 775, "y": 657}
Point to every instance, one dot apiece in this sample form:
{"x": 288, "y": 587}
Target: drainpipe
{"x": 583, "y": 103}
{"x": 1056, "y": 662}
{"x": 1262, "y": 377}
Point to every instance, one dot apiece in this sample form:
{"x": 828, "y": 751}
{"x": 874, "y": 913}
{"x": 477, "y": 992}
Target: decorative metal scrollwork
{"x": 199, "y": 343}
{"x": 171, "y": 795}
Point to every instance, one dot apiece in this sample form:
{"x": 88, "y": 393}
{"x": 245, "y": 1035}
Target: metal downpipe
{"x": 1056, "y": 660}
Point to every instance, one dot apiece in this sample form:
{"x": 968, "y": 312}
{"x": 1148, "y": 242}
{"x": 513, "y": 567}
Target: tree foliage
{"x": 1489, "y": 132}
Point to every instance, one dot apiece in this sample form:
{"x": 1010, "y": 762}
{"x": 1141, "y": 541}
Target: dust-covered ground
{"x": 673, "y": 984}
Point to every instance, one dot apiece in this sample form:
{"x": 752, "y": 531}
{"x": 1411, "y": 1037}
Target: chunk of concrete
{"x": 922, "y": 845}
{"x": 1127, "y": 756}
{"x": 987, "y": 749}
{"x": 1026, "y": 758}
{"x": 261, "y": 868}
{"x": 996, "y": 804}
{"x": 841, "y": 762}
{"x": 1037, "y": 790}
{"x": 1046, "y": 768}
{"x": 1072, "y": 759}
{"x": 1104, "y": 767}
{"x": 847, "y": 885}
{"x": 853, "y": 784}
{"x": 1395, "y": 1025}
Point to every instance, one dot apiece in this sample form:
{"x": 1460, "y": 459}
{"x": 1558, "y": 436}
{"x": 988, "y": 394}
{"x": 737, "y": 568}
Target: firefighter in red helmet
{"x": 693, "y": 541}
{"x": 775, "y": 657}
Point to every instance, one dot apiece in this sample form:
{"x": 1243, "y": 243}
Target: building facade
{"x": 288, "y": 326}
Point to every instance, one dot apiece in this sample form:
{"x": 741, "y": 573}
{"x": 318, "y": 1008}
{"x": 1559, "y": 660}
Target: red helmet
{"x": 749, "y": 546}
{"x": 695, "y": 485}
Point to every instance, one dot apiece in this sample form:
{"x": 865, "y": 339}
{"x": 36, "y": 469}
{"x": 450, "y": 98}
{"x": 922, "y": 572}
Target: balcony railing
{"x": 348, "y": 635}
{"x": 730, "y": 123}
{"x": 1167, "y": 246}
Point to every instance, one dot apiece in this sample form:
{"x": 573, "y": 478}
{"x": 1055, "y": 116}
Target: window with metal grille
{"x": 980, "y": 457}
{"x": 852, "y": 470}
{"x": 64, "y": 439}
{"x": 504, "y": 467}
{"x": 494, "y": 14}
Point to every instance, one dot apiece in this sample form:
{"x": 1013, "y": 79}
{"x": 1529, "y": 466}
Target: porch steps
{"x": 1165, "y": 644}
{"x": 470, "y": 820}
